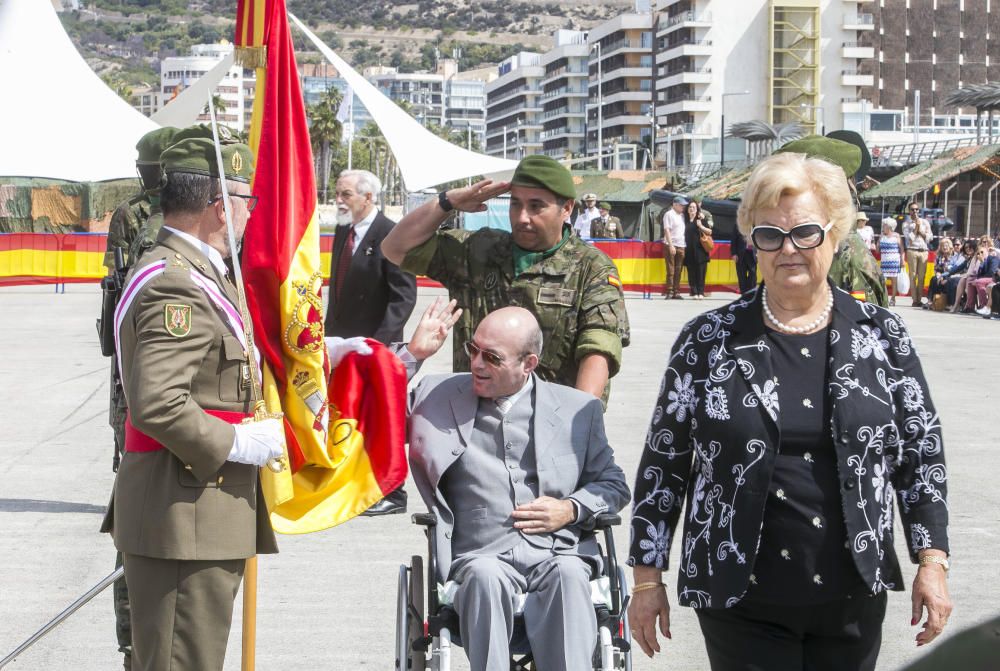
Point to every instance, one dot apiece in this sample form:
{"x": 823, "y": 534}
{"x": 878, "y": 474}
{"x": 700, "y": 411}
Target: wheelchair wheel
{"x": 402, "y": 620}
{"x": 415, "y": 612}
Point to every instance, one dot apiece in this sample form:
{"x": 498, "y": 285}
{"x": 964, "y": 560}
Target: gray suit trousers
{"x": 181, "y": 611}
{"x": 559, "y": 617}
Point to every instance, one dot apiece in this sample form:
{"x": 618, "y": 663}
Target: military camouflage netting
{"x": 945, "y": 166}
{"x": 36, "y": 205}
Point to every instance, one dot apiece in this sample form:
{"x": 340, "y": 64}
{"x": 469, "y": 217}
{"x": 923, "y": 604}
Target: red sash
{"x": 137, "y": 441}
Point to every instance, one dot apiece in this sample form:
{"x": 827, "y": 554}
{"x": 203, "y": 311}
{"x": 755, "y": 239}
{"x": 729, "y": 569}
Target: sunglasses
{"x": 251, "y": 201}
{"x": 803, "y": 236}
{"x": 489, "y": 356}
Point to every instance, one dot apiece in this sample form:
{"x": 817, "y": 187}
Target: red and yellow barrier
{"x": 50, "y": 258}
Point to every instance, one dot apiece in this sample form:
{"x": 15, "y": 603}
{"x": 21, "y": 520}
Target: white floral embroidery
{"x": 920, "y": 537}
{"x": 682, "y": 398}
{"x": 868, "y": 343}
{"x": 656, "y": 544}
{"x": 716, "y": 405}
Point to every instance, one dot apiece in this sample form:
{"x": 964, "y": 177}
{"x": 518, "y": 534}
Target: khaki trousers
{"x": 181, "y": 611}
{"x": 917, "y": 262}
{"x": 675, "y": 264}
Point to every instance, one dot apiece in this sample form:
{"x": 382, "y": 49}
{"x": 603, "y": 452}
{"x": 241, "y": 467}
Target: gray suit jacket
{"x": 574, "y": 459}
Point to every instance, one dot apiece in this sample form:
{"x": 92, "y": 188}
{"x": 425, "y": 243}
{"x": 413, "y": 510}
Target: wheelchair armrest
{"x": 606, "y": 520}
{"x": 425, "y": 519}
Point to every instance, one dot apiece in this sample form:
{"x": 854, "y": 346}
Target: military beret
{"x": 152, "y": 144}
{"x": 605, "y": 205}
{"x": 205, "y": 130}
{"x": 838, "y": 152}
{"x": 542, "y": 172}
{"x": 197, "y": 156}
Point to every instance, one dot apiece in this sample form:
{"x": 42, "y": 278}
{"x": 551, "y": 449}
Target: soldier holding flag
{"x": 188, "y": 510}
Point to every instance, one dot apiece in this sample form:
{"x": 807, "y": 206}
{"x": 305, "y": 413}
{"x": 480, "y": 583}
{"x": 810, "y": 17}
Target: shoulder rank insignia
{"x": 177, "y": 319}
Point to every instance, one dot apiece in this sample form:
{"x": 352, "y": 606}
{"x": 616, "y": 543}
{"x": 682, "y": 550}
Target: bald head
{"x": 513, "y": 335}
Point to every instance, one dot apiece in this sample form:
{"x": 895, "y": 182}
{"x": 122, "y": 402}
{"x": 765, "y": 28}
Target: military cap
{"x": 205, "y": 130}
{"x": 605, "y": 205}
{"x": 846, "y": 155}
{"x": 197, "y": 156}
{"x": 152, "y": 144}
{"x": 589, "y": 196}
{"x": 542, "y": 172}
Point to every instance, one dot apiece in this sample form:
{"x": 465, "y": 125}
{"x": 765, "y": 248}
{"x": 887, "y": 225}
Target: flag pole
{"x": 260, "y": 411}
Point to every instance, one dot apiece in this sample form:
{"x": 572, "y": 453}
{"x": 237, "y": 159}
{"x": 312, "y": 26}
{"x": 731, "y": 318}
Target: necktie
{"x": 503, "y": 404}
{"x": 344, "y": 262}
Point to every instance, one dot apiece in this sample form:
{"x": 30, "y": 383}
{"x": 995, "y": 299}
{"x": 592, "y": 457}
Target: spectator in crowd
{"x": 865, "y": 231}
{"x": 916, "y": 236}
{"x": 674, "y": 247}
{"x": 890, "y": 247}
{"x": 588, "y": 213}
{"x": 787, "y": 550}
{"x": 960, "y": 267}
{"x": 944, "y": 265}
{"x": 971, "y": 272}
{"x": 977, "y": 288}
{"x": 742, "y": 251}
{"x": 606, "y": 226}
{"x": 696, "y": 256}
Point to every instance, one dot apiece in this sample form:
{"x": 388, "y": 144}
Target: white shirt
{"x": 211, "y": 252}
{"x": 673, "y": 223}
{"x": 361, "y": 228}
{"x": 867, "y": 234}
{"x": 910, "y": 228}
{"x": 582, "y": 223}
{"x": 516, "y": 396}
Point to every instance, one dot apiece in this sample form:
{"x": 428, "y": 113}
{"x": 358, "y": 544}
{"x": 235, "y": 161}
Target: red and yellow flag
{"x": 327, "y": 483}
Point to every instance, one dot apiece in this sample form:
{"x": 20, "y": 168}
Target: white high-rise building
{"x": 237, "y": 88}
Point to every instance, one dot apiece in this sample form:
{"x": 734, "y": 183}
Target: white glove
{"x": 258, "y": 442}
{"x": 338, "y": 348}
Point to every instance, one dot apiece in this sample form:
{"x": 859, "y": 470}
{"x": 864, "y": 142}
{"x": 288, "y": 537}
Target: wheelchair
{"x": 426, "y": 636}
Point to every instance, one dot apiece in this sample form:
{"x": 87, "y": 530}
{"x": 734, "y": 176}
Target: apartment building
{"x": 564, "y": 95}
{"x": 237, "y": 88}
{"x": 514, "y": 107}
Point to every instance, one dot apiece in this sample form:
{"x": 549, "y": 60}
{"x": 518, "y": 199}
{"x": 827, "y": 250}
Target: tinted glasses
{"x": 803, "y": 236}
{"x": 251, "y": 201}
{"x": 489, "y": 356}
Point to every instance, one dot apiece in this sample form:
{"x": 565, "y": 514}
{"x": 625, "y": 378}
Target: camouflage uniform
{"x": 574, "y": 293}
{"x": 854, "y": 269}
{"x": 127, "y": 220}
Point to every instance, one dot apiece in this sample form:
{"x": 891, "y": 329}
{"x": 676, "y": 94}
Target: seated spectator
{"x": 944, "y": 264}
{"x": 961, "y": 265}
{"x": 978, "y": 285}
{"x": 964, "y": 297}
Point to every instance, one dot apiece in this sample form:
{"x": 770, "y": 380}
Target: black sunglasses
{"x": 251, "y": 201}
{"x": 489, "y": 356}
{"x": 803, "y": 236}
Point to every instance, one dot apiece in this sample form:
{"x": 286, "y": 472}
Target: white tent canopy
{"x": 424, "y": 159}
{"x": 58, "y": 118}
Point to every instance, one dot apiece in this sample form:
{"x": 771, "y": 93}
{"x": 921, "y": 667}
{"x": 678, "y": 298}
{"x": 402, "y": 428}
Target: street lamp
{"x": 652, "y": 141}
{"x": 600, "y": 108}
{"x": 817, "y": 117}
{"x": 505, "y": 140}
{"x": 722, "y": 132}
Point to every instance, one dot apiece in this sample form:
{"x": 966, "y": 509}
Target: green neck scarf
{"x": 524, "y": 259}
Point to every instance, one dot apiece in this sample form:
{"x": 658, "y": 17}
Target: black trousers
{"x": 696, "y": 276}
{"x": 746, "y": 272}
{"x": 837, "y": 636}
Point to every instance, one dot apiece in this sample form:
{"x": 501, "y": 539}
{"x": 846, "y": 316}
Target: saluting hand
{"x": 473, "y": 198}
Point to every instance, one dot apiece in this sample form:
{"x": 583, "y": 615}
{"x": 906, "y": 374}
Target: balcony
{"x": 625, "y": 45}
{"x": 702, "y": 76}
{"x": 855, "y": 78}
{"x": 625, "y": 96}
{"x": 565, "y": 91}
{"x": 560, "y": 132}
{"x": 856, "y": 50}
{"x": 563, "y": 72}
{"x": 859, "y": 22}
{"x": 687, "y": 20}
{"x": 562, "y": 111}
{"x": 494, "y": 98}
{"x": 678, "y": 105}
{"x": 691, "y": 47}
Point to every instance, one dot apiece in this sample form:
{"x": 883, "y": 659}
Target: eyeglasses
{"x": 803, "y": 236}
{"x": 251, "y": 201}
{"x": 489, "y": 356}
{"x": 914, "y": 209}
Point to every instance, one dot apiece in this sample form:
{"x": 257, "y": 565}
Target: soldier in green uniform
{"x": 606, "y": 226}
{"x": 187, "y": 509}
{"x": 854, "y": 269}
{"x": 572, "y": 288}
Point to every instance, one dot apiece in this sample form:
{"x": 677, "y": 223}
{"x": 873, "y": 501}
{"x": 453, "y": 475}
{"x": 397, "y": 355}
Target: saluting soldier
{"x": 187, "y": 509}
{"x": 572, "y": 288}
{"x": 606, "y": 226}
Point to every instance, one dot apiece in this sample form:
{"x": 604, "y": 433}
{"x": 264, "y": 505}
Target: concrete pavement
{"x": 328, "y": 600}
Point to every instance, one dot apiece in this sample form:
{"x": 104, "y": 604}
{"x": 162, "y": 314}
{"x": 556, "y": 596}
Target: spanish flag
{"x": 330, "y": 480}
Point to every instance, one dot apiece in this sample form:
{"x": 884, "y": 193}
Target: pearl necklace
{"x": 808, "y": 328}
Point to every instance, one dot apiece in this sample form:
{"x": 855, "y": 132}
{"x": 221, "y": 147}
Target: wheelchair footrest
{"x": 621, "y": 643}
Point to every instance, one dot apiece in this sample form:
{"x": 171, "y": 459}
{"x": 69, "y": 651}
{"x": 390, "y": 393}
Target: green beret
{"x": 205, "y": 130}
{"x": 197, "y": 155}
{"x": 840, "y": 153}
{"x": 542, "y": 172}
{"x": 605, "y": 205}
{"x": 152, "y": 144}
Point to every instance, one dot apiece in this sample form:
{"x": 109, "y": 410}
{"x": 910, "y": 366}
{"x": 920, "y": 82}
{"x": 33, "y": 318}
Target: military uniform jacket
{"x": 575, "y": 294}
{"x": 609, "y": 228}
{"x": 126, "y": 221}
{"x": 855, "y": 270}
{"x": 179, "y": 358}
{"x": 714, "y": 434}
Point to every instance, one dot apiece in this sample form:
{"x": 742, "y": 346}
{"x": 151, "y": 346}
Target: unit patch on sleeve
{"x": 177, "y": 319}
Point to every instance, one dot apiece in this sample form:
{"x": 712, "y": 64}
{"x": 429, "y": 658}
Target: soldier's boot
{"x": 127, "y": 661}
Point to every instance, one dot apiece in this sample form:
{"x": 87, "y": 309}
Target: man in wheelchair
{"x": 516, "y": 471}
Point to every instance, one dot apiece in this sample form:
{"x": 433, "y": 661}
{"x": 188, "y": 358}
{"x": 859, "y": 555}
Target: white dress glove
{"x": 258, "y": 442}
{"x": 338, "y": 348}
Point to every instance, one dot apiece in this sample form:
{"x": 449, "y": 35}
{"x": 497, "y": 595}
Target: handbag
{"x": 706, "y": 242}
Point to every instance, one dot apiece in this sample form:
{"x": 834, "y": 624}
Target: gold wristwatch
{"x": 935, "y": 559}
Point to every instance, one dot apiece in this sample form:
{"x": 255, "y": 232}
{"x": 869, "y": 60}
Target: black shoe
{"x": 127, "y": 662}
{"x": 393, "y": 504}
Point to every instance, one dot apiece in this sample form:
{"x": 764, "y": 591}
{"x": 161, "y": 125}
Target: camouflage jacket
{"x": 575, "y": 294}
{"x": 126, "y": 221}
{"x": 854, "y": 269}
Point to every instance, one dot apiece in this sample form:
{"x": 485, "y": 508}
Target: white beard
{"x": 344, "y": 217}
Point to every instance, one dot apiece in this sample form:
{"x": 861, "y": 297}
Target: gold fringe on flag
{"x": 251, "y": 57}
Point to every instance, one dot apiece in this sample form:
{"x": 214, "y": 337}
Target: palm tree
{"x": 119, "y": 86}
{"x": 325, "y": 131}
{"x": 765, "y": 138}
{"x": 218, "y": 102}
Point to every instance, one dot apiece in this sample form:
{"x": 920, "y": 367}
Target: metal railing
{"x": 911, "y": 154}
{"x": 689, "y": 16}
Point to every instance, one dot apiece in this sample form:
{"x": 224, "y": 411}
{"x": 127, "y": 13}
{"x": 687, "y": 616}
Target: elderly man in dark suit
{"x": 516, "y": 470}
{"x": 370, "y": 296}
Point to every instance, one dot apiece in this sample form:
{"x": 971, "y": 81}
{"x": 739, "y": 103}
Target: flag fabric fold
{"x": 283, "y": 280}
